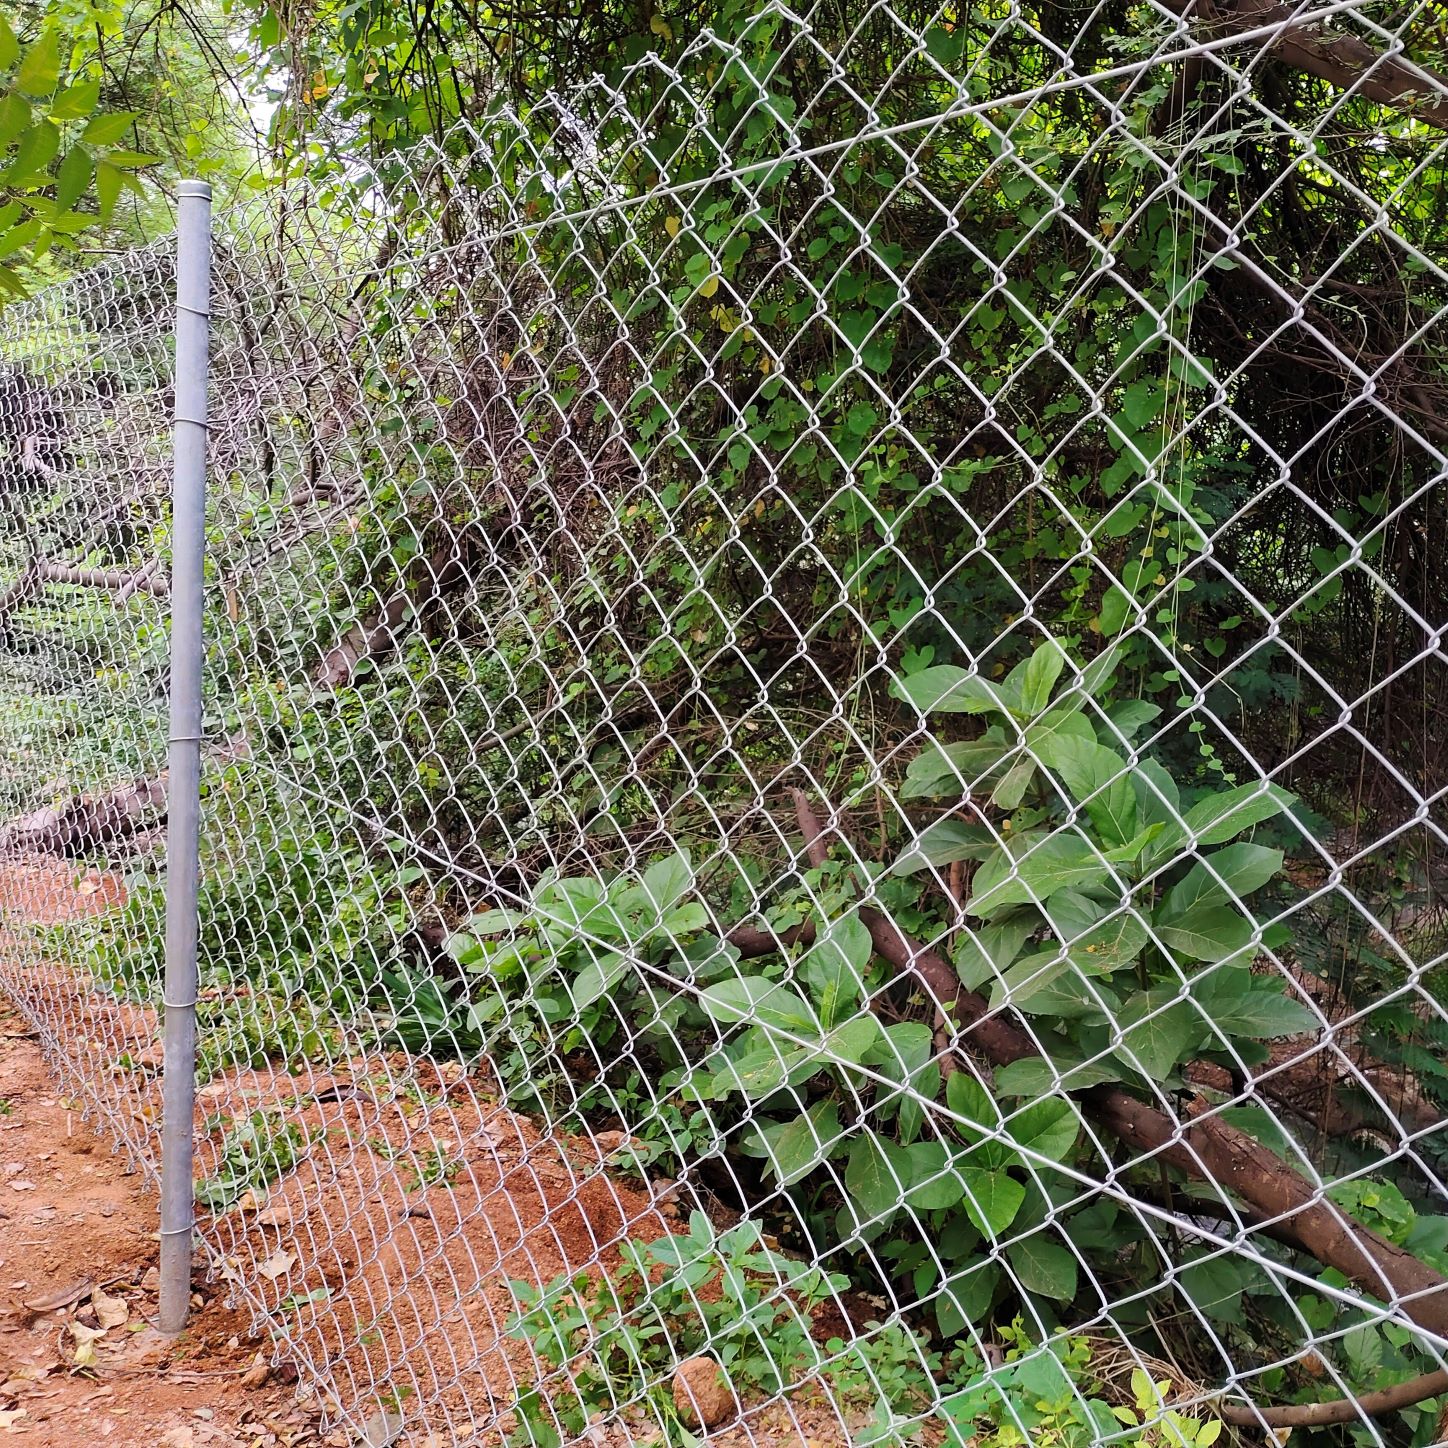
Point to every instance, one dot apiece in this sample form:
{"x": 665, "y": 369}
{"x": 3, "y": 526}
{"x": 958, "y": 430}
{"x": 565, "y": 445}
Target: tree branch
{"x": 1342, "y": 59}
{"x": 1337, "y": 1410}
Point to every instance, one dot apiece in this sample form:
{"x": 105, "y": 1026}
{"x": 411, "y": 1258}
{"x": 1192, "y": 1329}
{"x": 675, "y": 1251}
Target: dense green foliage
{"x": 843, "y": 404}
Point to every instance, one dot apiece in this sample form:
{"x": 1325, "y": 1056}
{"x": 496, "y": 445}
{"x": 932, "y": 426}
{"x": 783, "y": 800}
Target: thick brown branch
{"x": 375, "y": 635}
{"x": 751, "y": 941}
{"x": 118, "y": 580}
{"x": 1340, "y": 58}
{"x": 1338, "y": 1410}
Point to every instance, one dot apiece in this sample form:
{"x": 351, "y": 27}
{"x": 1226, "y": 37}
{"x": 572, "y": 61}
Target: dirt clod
{"x": 702, "y": 1393}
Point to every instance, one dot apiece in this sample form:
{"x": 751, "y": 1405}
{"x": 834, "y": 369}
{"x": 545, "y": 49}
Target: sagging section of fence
{"x": 822, "y": 766}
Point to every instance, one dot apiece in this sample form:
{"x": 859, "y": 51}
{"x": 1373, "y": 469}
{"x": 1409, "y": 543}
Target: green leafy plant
{"x": 56, "y": 149}
{"x": 257, "y": 1150}
{"x": 1105, "y": 906}
{"x": 724, "y": 1293}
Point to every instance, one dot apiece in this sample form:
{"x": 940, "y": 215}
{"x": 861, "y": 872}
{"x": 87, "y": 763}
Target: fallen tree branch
{"x": 375, "y": 635}
{"x": 1340, "y": 58}
{"x": 118, "y": 580}
{"x": 119, "y": 816}
{"x": 1338, "y": 1410}
{"x": 751, "y": 941}
{"x": 1203, "y": 1148}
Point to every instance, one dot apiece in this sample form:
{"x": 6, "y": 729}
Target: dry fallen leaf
{"x": 10, "y": 1417}
{"x": 110, "y": 1311}
{"x": 181, "y": 1437}
{"x": 61, "y": 1297}
{"x": 85, "y": 1341}
{"x": 381, "y": 1429}
{"x": 277, "y": 1264}
{"x": 275, "y": 1217}
{"x": 257, "y": 1374}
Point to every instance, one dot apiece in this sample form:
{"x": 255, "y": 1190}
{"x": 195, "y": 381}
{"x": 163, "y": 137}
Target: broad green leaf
{"x": 946, "y": 689}
{"x": 107, "y": 129}
{"x": 905, "y": 1053}
{"x": 1099, "y": 779}
{"x": 667, "y": 880}
{"x": 1038, "y": 676}
{"x": 943, "y": 843}
{"x": 9, "y": 45}
{"x": 1036, "y": 1076}
{"x": 877, "y": 1176}
{"x": 39, "y": 67}
{"x": 1030, "y": 975}
{"x": 966, "y": 1298}
{"x": 1217, "y": 1287}
{"x": 1068, "y": 722}
{"x": 1131, "y": 851}
{"x": 687, "y": 919}
{"x": 1032, "y": 869}
{"x": 992, "y": 1199}
{"x": 985, "y": 951}
{"x": 1127, "y": 718}
{"x": 968, "y": 1099}
{"x": 1110, "y": 944}
{"x": 37, "y": 148}
{"x": 804, "y": 1142}
{"x": 1158, "y": 800}
{"x": 1047, "y": 1128}
{"x": 1219, "y": 817}
{"x": 108, "y": 188}
{"x": 1097, "y": 675}
{"x": 754, "y": 998}
{"x": 72, "y": 177}
{"x": 936, "y": 1185}
{"x": 494, "y": 922}
{"x": 1240, "y": 1003}
{"x": 1157, "y": 1038}
{"x": 953, "y": 769}
{"x": 597, "y": 978}
{"x": 1208, "y": 932}
{"x": 1234, "y": 872}
{"x": 14, "y": 117}
{"x": 762, "y": 1071}
{"x": 852, "y": 1041}
{"x": 834, "y": 968}
{"x": 1014, "y": 783}
{"x": 1043, "y": 1266}
{"x": 76, "y": 101}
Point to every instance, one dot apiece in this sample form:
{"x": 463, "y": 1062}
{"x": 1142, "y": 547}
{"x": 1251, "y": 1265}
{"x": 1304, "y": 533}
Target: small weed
{"x": 6, "y": 1106}
{"x": 437, "y": 1167}
{"x": 254, "y": 1153}
{"x": 614, "y": 1345}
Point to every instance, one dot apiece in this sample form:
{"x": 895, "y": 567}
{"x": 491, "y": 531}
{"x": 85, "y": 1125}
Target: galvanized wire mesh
{"x": 825, "y": 737}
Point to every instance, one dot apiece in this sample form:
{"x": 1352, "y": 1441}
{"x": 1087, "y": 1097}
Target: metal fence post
{"x": 188, "y": 547}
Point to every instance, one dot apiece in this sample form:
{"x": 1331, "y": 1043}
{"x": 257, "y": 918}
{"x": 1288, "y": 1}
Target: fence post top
{"x": 201, "y": 189}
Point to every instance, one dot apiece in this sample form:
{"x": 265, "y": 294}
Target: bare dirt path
{"x": 80, "y": 1361}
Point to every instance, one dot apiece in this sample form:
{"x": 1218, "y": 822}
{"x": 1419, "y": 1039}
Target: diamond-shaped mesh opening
{"x": 823, "y": 785}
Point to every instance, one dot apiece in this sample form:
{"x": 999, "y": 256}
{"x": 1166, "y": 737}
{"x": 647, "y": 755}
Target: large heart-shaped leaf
{"x": 946, "y": 689}
{"x": 992, "y": 1199}
{"x": 943, "y": 843}
{"x": 1207, "y": 932}
{"x": 877, "y": 1176}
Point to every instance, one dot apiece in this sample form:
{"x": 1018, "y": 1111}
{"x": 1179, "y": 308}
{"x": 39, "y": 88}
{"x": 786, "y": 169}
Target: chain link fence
{"x": 824, "y": 747}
